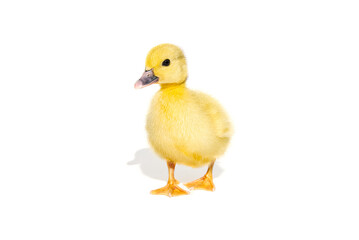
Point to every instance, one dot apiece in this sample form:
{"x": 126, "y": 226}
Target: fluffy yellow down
{"x": 184, "y": 126}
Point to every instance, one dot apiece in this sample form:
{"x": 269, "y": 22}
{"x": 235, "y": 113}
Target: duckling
{"x": 184, "y": 126}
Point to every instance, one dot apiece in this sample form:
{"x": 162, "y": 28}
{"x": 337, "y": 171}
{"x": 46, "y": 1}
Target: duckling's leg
{"x": 203, "y": 183}
{"x": 171, "y": 189}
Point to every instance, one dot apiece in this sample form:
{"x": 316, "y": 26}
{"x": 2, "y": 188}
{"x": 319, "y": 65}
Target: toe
{"x": 170, "y": 190}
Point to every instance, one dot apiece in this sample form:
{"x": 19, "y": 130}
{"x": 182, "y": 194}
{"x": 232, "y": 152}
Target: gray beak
{"x": 148, "y": 78}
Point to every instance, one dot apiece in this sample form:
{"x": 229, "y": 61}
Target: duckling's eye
{"x": 166, "y": 62}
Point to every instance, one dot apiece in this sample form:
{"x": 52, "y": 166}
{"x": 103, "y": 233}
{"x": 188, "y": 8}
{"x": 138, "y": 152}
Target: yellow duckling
{"x": 184, "y": 126}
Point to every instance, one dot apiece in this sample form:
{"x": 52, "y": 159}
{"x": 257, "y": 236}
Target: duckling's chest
{"x": 171, "y": 115}
{"x": 167, "y": 111}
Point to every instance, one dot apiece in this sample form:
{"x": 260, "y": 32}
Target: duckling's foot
{"x": 203, "y": 183}
{"x": 171, "y": 190}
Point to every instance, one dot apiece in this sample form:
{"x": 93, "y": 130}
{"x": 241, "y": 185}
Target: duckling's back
{"x": 187, "y": 127}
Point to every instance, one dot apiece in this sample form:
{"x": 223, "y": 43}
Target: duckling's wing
{"x": 217, "y": 115}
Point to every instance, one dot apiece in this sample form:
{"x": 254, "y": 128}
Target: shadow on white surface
{"x": 154, "y": 167}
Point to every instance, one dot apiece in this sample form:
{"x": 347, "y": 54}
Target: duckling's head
{"x": 165, "y": 64}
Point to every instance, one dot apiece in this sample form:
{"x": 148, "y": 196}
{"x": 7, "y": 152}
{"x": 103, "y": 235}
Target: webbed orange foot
{"x": 203, "y": 183}
{"x": 170, "y": 190}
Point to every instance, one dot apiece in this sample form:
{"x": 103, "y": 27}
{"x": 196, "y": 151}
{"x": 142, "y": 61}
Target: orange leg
{"x": 171, "y": 189}
{"x": 203, "y": 183}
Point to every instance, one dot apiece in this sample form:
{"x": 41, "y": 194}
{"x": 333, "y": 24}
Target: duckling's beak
{"x": 148, "y": 78}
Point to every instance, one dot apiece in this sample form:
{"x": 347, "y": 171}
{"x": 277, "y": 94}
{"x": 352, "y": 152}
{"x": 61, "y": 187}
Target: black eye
{"x": 166, "y": 62}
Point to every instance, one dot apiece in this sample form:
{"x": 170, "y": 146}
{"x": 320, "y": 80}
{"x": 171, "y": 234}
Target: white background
{"x": 74, "y": 159}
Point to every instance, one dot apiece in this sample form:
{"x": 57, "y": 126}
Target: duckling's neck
{"x": 169, "y": 86}
{"x": 170, "y": 94}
